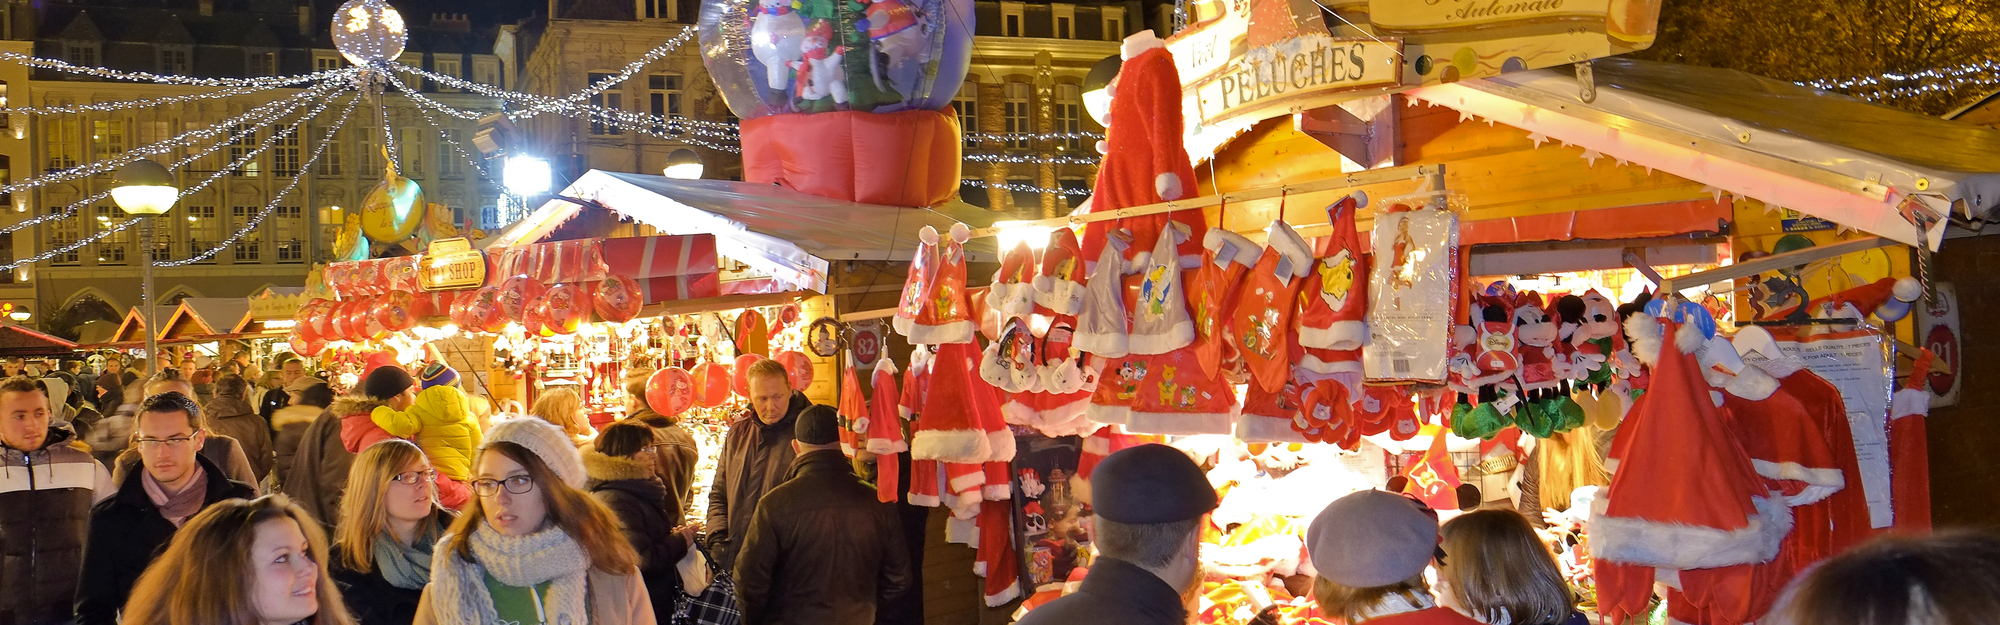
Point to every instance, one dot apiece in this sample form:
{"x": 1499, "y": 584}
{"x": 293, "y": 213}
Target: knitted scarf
{"x": 406, "y": 566}
{"x": 177, "y": 507}
{"x": 459, "y": 587}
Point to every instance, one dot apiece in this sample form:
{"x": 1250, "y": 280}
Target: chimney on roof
{"x": 451, "y": 22}
{"x": 305, "y": 19}
{"x": 207, "y": 7}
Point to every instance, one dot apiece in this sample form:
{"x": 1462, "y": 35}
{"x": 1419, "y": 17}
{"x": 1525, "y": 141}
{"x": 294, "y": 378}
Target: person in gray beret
{"x": 1151, "y": 502}
{"x": 1370, "y": 549}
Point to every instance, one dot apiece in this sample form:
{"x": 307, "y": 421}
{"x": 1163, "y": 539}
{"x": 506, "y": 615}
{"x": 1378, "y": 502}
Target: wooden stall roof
{"x": 206, "y": 316}
{"x": 133, "y": 328}
{"x": 17, "y": 340}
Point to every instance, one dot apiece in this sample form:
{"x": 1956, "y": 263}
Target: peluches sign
{"x": 1296, "y": 73}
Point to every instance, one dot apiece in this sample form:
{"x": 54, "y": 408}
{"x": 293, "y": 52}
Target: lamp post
{"x": 146, "y": 189}
{"x": 683, "y": 164}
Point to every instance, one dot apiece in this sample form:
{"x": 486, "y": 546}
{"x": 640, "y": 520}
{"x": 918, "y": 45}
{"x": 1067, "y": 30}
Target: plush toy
{"x": 775, "y": 34}
{"x": 1495, "y": 348}
{"x": 1592, "y": 339}
{"x": 820, "y": 74}
{"x": 1538, "y": 336}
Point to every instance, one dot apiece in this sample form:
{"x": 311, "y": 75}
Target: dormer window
{"x": 262, "y": 64}
{"x": 84, "y": 54}
{"x": 174, "y": 61}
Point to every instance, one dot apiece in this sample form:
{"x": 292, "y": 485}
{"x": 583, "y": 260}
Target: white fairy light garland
{"x": 1943, "y": 73}
{"x": 631, "y": 69}
{"x": 280, "y": 196}
{"x": 445, "y": 136}
{"x": 1032, "y": 136}
{"x": 1024, "y": 187}
{"x": 1018, "y": 159}
{"x": 267, "y": 82}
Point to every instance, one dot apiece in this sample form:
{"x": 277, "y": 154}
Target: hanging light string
{"x": 1029, "y": 159}
{"x": 128, "y": 156}
{"x": 105, "y": 107}
{"x": 631, "y": 69}
{"x": 1032, "y": 136}
{"x": 280, "y": 196}
{"x": 445, "y": 136}
{"x": 267, "y": 82}
{"x": 389, "y": 135}
{"x": 250, "y": 121}
{"x": 1025, "y": 187}
{"x": 533, "y": 103}
{"x": 114, "y": 228}
{"x": 1944, "y": 73}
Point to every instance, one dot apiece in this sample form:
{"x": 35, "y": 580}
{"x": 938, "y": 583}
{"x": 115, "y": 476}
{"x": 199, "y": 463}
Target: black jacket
{"x": 640, "y": 502}
{"x": 1115, "y": 592}
{"x": 821, "y": 549}
{"x": 675, "y": 460}
{"x": 754, "y": 460}
{"x": 369, "y": 596}
{"x": 45, "y": 499}
{"x": 126, "y": 533}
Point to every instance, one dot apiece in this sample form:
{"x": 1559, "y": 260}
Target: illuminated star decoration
{"x": 1538, "y": 138}
{"x": 1592, "y": 156}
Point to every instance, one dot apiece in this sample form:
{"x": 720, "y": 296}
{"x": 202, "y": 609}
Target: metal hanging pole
{"x": 152, "y": 328}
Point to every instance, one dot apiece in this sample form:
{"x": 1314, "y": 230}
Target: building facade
{"x": 252, "y": 165}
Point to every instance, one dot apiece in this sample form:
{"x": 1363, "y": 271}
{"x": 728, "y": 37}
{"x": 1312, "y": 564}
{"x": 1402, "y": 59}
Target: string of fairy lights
{"x": 1894, "y": 85}
{"x": 279, "y": 197}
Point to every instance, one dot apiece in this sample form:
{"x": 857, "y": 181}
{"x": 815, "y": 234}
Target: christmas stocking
{"x": 1909, "y": 451}
{"x": 1262, "y": 315}
{"x": 1227, "y": 259}
{"x": 1333, "y": 311}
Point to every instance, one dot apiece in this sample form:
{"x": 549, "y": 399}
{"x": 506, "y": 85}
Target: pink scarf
{"x": 177, "y": 507}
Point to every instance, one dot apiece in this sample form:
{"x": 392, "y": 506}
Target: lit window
{"x": 285, "y": 155}
{"x": 242, "y": 150}
{"x": 967, "y": 107}
{"x": 107, "y": 138}
{"x": 610, "y": 99}
{"x": 1065, "y": 109}
{"x": 1018, "y": 121}
{"x": 449, "y": 67}
{"x": 450, "y": 164}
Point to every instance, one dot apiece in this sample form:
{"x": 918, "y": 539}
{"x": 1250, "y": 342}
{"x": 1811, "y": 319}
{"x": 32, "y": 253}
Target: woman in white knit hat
{"x": 532, "y": 547}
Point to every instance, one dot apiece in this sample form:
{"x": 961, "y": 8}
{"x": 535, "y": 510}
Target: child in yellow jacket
{"x": 440, "y": 422}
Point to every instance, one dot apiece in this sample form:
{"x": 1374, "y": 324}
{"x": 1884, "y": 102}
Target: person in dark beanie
{"x": 1151, "y": 502}
{"x": 385, "y": 385}
{"x": 821, "y": 548}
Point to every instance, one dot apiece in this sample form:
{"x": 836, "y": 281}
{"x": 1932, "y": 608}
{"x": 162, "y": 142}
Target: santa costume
{"x": 884, "y": 430}
{"x": 1144, "y": 161}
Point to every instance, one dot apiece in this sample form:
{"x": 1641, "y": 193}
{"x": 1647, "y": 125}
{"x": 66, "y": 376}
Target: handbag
{"x": 715, "y": 604}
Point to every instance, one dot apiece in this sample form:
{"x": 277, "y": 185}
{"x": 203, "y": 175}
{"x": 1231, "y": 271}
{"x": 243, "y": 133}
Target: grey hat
{"x": 1372, "y": 538}
{"x": 546, "y": 441}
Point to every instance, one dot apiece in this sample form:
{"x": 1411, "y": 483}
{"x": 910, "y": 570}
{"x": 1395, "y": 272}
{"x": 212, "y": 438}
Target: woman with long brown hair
{"x": 389, "y": 521}
{"x": 1498, "y": 572}
{"x": 278, "y": 576}
{"x": 532, "y": 547}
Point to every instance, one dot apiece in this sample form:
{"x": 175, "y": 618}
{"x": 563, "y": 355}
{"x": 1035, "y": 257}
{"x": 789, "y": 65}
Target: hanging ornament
{"x": 825, "y": 337}
{"x": 304, "y": 346}
{"x": 482, "y": 311}
{"x": 797, "y": 367}
{"x": 394, "y": 207}
{"x": 711, "y": 385}
{"x": 368, "y": 32}
{"x": 395, "y": 312}
{"x": 739, "y": 379}
{"x": 516, "y": 294}
{"x": 337, "y": 322}
{"x": 670, "y": 391}
{"x": 564, "y": 308}
{"x": 617, "y": 298}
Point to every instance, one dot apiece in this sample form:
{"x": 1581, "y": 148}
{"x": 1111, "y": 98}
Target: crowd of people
{"x": 195, "y": 498}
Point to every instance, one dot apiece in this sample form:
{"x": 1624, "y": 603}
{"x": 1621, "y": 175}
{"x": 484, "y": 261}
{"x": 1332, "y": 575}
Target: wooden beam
{"x": 1773, "y": 262}
{"x": 1356, "y": 179}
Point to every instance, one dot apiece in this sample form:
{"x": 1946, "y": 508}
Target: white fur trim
{"x": 1097, "y": 446}
{"x": 1644, "y": 332}
{"x": 1180, "y": 423}
{"x": 1108, "y": 344}
{"x": 1108, "y": 414}
{"x": 1138, "y": 43}
{"x": 1012, "y": 592}
{"x": 1910, "y": 402}
{"x": 1000, "y": 445}
{"x": 997, "y": 492}
{"x": 1312, "y": 364}
{"x": 1678, "y": 546}
{"x": 1065, "y": 297}
{"x": 960, "y": 232}
{"x": 1252, "y": 428}
{"x": 1245, "y": 251}
{"x": 1799, "y": 472}
{"x": 967, "y": 482}
{"x": 1753, "y": 384}
{"x": 1168, "y": 185}
{"x": 949, "y": 445}
{"x": 928, "y": 235}
{"x": 954, "y": 332}
{"x": 1011, "y": 298}
{"x": 1782, "y": 368}
{"x": 1282, "y": 239}
{"x": 1688, "y": 338}
{"x": 886, "y": 446}
{"x": 1342, "y": 335}
{"x": 928, "y": 501}
{"x": 1174, "y": 337}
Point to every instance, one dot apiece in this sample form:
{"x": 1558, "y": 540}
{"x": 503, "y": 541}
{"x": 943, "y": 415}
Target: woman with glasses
{"x": 258, "y": 561}
{"x": 620, "y": 467}
{"x": 532, "y": 547}
{"x": 389, "y": 520}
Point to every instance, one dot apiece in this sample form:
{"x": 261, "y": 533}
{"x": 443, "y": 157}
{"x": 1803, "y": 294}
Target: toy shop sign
{"x": 1295, "y": 74}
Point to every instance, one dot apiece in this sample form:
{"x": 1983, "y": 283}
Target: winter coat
{"x": 233, "y": 417}
{"x": 357, "y": 423}
{"x": 222, "y": 450}
{"x": 639, "y": 501}
{"x": 821, "y": 549}
{"x": 126, "y": 533}
{"x": 613, "y": 600}
{"x": 291, "y": 423}
{"x": 320, "y": 468}
{"x": 674, "y": 461}
{"x": 755, "y": 458}
{"x": 441, "y": 423}
{"x": 370, "y": 597}
{"x": 1115, "y": 592}
{"x": 45, "y": 499}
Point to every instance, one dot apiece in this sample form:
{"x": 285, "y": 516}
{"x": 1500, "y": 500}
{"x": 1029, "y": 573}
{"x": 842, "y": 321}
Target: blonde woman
{"x": 254, "y": 562}
{"x": 562, "y": 406}
{"x": 1498, "y": 572}
{"x": 389, "y": 521}
{"x": 532, "y": 547}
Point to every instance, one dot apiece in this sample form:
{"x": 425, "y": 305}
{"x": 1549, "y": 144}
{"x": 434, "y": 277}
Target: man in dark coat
{"x": 1150, "y": 502}
{"x": 47, "y": 487}
{"x": 130, "y": 528}
{"x": 319, "y": 470}
{"x": 821, "y": 548}
{"x": 755, "y": 456}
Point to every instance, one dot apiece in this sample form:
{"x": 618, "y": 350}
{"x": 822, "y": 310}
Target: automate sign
{"x": 451, "y": 264}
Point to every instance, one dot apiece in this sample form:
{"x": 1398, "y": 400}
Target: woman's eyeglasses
{"x": 412, "y": 478}
{"x": 519, "y": 484}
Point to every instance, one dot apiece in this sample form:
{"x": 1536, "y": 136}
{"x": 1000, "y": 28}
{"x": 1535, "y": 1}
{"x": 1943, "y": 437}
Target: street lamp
{"x": 1097, "y": 88}
{"x": 683, "y": 164}
{"x": 145, "y": 189}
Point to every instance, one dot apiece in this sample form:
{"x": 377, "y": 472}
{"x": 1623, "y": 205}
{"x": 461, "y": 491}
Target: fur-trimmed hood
{"x": 605, "y": 468}
{"x": 353, "y": 405}
{"x": 294, "y": 415}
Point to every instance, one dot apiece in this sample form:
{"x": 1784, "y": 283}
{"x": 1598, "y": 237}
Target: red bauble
{"x": 396, "y": 311}
{"x": 483, "y": 313}
{"x": 565, "y": 308}
{"x": 517, "y": 294}
{"x": 798, "y": 367}
{"x": 739, "y": 381}
{"x": 340, "y": 323}
{"x": 711, "y": 385}
{"x": 670, "y": 391}
{"x": 617, "y": 298}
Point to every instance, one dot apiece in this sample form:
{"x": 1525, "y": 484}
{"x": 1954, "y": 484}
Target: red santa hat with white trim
{"x": 933, "y": 308}
{"x": 1059, "y": 286}
{"x": 1686, "y": 495}
{"x": 1333, "y": 310}
{"x": 1012, "y": 293}
{"x": 950, "y": 429}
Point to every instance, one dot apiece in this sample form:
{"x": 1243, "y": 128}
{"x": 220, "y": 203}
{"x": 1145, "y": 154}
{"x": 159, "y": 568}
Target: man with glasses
{"x": 46, "y": 490}
{"x": 129, "y": 528}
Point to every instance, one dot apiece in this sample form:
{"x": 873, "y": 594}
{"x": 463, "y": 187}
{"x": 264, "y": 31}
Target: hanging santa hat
{"x": 1686, "y": 495}
{"x": 1059, "y": 286}
{"x": 1101, "y": 324}
{"x": 1333, "y": 310}
{"x": 1012, "y": 294}
{"x": 1160, "y": 321}
{"x": 1781, "y": 438}
{"x": 1227, "y": 257}
{"x": 1175, "y": 398}
{"x": 934, "y": 308}
{"x": 1267, "y": 416}
{"x": 949, "y": 429}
